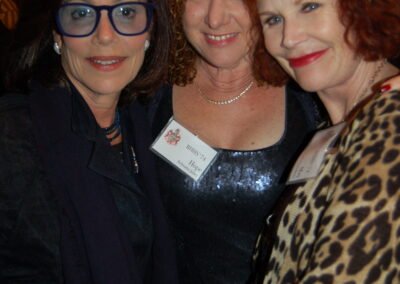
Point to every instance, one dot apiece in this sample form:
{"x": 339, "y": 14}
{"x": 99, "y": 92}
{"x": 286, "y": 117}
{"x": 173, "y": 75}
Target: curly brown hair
{"x": 375, "y": 25}
{"x": 183, "y": 56}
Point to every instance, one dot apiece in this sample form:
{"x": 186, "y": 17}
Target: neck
{"x": 104, "y": 111}
{"x": 103, "y": 106}
{"x": 104, "y": 116}
{"x": 223, "y": 80}
{"x": 340, "y": 100}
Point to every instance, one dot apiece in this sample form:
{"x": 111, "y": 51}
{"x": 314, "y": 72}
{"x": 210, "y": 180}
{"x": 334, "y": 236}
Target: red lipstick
{"x": 106, "y": 63}
{"x": 306, "y": 59}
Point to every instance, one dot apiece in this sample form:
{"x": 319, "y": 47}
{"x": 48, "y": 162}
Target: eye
{"x": 273, "y": 20}
{"x": 81, "y": 12}
{"x": 308, "y": 7}
{"x": 127, "y": 12}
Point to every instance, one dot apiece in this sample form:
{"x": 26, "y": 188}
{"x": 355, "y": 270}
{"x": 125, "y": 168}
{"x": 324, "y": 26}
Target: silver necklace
{"x": 225, "y": 102}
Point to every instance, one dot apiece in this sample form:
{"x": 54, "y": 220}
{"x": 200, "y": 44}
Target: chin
{"x": 224, "y": 60}
{"x": 104, "y": 87}
{"x": 107, "y": 91}
{"x": 308, "y": 86}
{"x": 310, "y": 82}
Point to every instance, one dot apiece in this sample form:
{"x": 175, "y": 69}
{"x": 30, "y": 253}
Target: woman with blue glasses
{"x": 78, "y": 202}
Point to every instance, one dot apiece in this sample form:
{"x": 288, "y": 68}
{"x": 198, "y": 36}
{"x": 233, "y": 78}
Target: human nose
{"x": 217, "y": 14}
{"x": 293, "y": 33}
{"x": 105, "y": 32}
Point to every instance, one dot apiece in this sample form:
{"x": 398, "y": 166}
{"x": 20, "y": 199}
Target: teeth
{"x": 106, "y": 62}
{"x": 213, "y": 37}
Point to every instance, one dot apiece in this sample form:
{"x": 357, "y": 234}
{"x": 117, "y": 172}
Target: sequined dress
{"x": 216, "y": 220}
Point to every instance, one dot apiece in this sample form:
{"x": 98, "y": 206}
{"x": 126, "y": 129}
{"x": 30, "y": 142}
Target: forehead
{"x": 96, "y": 2}
{"x": 275, "y": 5}
{"x": 290, "y": 2}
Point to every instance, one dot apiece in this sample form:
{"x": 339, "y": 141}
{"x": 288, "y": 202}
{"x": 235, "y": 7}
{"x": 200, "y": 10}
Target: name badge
{"x": 184, "y": 150}
{"x": 310, "y": 160}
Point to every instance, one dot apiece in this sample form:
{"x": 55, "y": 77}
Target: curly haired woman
{"x": 221, "y": 91}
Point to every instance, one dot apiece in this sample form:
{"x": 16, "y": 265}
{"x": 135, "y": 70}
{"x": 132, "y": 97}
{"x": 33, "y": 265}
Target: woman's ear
{"x": 57, "y": 45}
{"x": 58, "y": 39}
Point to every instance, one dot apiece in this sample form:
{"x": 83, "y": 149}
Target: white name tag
{"x": 310, "y": 160}
{"x": 184, "y": 150}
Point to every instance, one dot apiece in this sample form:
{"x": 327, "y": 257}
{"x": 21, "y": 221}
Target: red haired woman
{"x": 343, "y": 224}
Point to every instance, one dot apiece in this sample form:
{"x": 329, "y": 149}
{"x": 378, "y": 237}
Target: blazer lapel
{"x": 89, "y": 218}
{"x": 108, "y": 164}
{"x": 103, "y": 160}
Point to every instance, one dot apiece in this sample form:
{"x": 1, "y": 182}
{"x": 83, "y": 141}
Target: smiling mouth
{"x": 105, "y": 62}
{"x": 306, "y": 59}
{"x": 221, "y": 37}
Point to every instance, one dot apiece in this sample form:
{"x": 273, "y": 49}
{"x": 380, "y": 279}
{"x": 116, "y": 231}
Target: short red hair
{"x": 373, "y": 25}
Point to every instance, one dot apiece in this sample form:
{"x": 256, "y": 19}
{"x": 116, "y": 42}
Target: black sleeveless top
{"x": 216, "y": 220}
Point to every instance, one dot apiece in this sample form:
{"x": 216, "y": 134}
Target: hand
{"x": 391, "y": 84}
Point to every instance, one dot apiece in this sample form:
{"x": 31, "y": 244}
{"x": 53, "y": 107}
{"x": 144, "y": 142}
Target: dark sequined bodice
{"x": 216, "y": 220}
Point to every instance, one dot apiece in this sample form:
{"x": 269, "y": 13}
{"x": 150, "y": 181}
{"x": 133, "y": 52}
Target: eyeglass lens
{"x": 80, "y": 19}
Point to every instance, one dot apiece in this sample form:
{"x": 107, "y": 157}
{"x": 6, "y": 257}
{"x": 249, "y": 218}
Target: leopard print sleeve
{"x": 358, "y": 234}
{"x": 344, "y": 225}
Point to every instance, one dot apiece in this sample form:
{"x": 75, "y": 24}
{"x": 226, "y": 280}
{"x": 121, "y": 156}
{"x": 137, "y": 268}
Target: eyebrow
{"x": 264, "y": 13}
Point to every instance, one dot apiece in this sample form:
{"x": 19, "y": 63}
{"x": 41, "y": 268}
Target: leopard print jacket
{"x": 344, "y": 225}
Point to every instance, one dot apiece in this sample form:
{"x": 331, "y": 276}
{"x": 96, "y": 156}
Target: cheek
{"x": 248, "y": 26}
{"x": 132, "y": 44}
{"x": 135, "y": 50}
{"x": 346, "y": 52}
{"x": 76, "y": 46}
{"x": 73, "y": 53}
{"x": 272, "y": 43}
{"x": 193, "y": 13}
{"x": 286, "y": 66}
{"x": 190, "y": 33}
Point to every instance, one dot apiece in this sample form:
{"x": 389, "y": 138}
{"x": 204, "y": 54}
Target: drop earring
{"x": 146, "y": 44}
{"x": 57, "y": 48}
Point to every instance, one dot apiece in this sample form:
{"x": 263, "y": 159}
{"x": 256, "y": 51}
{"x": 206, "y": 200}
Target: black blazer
{"x": 70, "y": 211}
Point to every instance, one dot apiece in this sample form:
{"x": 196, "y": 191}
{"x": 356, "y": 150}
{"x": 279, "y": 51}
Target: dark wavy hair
{"x": 30, "y": 56}
{"x": 183, "y": 56}
{"x": 373, "y": 26}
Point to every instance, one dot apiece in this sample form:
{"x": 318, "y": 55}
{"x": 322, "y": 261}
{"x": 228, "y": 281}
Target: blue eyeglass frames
{"x": 127, "y": 19}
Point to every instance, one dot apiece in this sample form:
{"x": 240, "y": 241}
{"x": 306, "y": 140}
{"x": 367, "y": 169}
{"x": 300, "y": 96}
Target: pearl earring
{"x": 57, "y": 48}
{"x": 146, "y": 44}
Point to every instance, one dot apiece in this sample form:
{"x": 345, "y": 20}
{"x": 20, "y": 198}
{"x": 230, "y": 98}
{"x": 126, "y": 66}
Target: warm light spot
{"x": 9, "y": 13}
